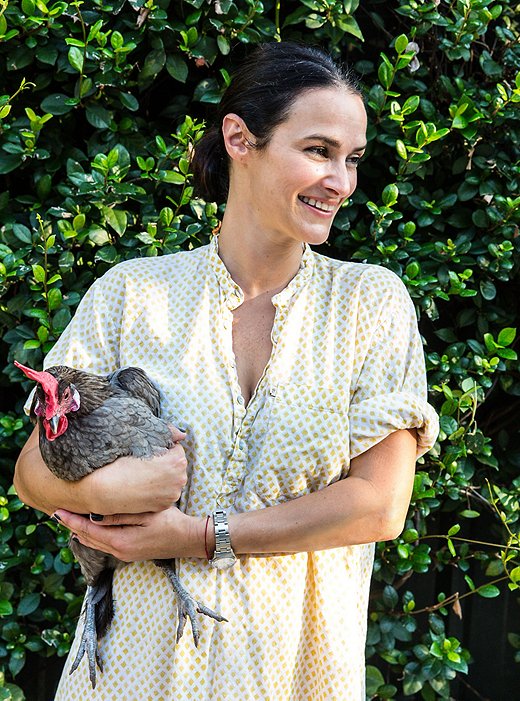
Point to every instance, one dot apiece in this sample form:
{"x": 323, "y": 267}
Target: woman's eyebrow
{"x": 333, "y": 143}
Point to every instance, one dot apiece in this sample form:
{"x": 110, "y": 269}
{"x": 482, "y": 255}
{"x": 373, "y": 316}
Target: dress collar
{"x": 232, "y": 292}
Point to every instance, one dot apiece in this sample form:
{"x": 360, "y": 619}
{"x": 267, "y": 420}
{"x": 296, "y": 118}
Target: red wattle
{"x": 62, "y": 427}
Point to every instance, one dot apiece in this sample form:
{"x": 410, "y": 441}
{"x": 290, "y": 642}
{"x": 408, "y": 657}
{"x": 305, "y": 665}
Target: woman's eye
{"x": 319, "y": 151}
{"x": 354, "y": 160}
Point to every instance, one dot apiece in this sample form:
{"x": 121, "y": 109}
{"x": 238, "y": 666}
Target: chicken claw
{"x": 89, "y": 641}
{"x": 187, "y": 606}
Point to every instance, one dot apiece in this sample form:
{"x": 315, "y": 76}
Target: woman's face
{"x": 296, "y": 184}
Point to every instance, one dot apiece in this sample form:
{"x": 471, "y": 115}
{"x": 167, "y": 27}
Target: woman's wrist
{"x": 238, "y": 530}
{"x": 197, "y": 538}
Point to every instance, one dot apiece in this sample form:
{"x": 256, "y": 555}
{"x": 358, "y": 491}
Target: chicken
{"x": 87, "y": 421}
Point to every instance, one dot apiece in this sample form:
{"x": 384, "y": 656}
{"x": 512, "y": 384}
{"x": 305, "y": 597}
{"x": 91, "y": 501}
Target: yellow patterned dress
{"x": 346, "y": 370}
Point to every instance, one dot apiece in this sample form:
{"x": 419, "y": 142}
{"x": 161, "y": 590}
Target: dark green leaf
{"x": 98, "y": 116}
{"x": 22, "y": 232}
{"x": 374, "y": 679}
{"x": 117, "y": 219}
{"x": 487, "y": 289}
{"x": 153, "y": 64}
{"x": 176, "y": 67}
{"x": 57, "y": 103}
{"x": 489, "y": 591}
{"x": 390, "y": 597}
{"x": 28, "y": 604}
{"x": 8, "y": 163}
{"x": 129, "y": 101}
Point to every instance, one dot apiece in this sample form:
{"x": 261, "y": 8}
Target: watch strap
{"x": 223, "y": 550}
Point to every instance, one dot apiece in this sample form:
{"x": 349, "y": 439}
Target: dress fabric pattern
{"x": 346, "y": 370}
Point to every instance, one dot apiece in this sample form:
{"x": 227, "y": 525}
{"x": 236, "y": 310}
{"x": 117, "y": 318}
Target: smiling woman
{"x": 300, "y": 383}
{"x": 293, "y": 186}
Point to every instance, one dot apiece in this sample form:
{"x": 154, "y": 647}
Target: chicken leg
{"x": 187, "y": 606}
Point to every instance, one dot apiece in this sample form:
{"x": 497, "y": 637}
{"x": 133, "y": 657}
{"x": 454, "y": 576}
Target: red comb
{"x": 48, "y": 382}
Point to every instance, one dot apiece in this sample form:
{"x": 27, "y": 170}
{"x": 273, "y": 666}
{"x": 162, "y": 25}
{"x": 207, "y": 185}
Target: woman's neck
{"x": 258, "y": 265}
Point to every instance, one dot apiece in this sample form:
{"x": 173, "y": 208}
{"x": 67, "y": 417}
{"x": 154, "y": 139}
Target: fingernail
{"x": 56, "y": 518}
{"x": 96, "y": 517}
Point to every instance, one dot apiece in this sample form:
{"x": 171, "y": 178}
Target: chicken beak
{"x": 53, "y": 422}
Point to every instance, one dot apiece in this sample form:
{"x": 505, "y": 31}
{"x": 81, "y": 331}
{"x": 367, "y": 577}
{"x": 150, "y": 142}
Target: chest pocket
{"x": 305, "y": 444}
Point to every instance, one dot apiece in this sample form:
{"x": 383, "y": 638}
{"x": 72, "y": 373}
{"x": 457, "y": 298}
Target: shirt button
{"x": 242, "y": 445}
{"x": 240, "y": 399}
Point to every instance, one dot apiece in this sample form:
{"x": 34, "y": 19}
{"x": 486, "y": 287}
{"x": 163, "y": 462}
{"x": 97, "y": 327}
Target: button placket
{"x": 243, "y": 417}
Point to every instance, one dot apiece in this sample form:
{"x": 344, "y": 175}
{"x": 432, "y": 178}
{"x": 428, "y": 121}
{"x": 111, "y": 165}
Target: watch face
{"x": 223, "y": 563}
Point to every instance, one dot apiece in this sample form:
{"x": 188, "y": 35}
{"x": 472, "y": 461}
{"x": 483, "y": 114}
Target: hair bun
{"x": 210, "y": 168}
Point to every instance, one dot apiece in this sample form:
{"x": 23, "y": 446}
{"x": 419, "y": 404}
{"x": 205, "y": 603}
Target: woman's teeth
{"x": 317, "y": 204}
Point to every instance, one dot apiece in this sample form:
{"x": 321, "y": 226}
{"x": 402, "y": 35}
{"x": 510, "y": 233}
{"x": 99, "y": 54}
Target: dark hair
{"x": 262, "y": 92}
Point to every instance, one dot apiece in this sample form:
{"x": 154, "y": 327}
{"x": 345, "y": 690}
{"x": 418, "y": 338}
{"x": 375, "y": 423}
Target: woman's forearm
{"x": 369, "y": 505}
{"x": 345, "y": 513}
{"x": 38, "y": 487}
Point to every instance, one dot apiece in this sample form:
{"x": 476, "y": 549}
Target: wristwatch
{"x": 223, "y": 557}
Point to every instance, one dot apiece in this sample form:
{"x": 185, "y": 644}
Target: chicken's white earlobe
{"x": 76, "y": 399}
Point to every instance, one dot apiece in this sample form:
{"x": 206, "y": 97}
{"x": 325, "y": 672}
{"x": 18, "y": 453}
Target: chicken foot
{"x": 187, "y": 606}
{"x": 89, "y": 640}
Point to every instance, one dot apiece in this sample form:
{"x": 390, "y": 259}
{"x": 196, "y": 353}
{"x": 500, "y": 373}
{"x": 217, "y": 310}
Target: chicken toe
{"x": 187, "y": 606}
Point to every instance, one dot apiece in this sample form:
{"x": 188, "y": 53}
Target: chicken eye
{"x": 37, "y": 408}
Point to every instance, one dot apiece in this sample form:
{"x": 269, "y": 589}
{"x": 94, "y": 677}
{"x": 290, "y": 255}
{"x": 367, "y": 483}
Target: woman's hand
{"x": 147, "y": 536}
{"x": 131, "y": 485}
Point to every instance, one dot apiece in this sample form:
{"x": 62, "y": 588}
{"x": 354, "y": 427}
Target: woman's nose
{"x": 341, "y": 180}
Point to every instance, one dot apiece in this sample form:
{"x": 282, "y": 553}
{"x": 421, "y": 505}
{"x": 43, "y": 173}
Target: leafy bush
{"x": 101, "y": 106}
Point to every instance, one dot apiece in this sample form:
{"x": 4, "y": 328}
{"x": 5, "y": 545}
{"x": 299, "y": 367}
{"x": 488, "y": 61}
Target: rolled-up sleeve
{"x": 391, "y": 391}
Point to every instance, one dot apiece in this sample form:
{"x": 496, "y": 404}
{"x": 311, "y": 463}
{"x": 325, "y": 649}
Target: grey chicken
{"x": 85, "y": 422}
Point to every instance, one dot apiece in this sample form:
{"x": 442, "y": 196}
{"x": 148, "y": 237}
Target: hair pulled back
{"x": 262, "y": 93}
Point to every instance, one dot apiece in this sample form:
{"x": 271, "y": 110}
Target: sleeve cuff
{"x": 375, "y": 418}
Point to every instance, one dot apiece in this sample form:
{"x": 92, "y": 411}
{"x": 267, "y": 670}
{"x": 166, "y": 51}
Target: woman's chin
{"x": 316, "y": 238}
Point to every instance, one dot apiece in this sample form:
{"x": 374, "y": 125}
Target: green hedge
{"x": 100, "y": 106}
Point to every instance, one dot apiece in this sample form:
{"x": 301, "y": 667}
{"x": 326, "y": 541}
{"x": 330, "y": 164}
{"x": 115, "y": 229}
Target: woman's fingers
{"x": 120, "y": 519}
{"x": 76, "y": 522}
{"x": 177, "y": 433}
{"x": 114, "y": 539}
{"x": 132, "y": 537}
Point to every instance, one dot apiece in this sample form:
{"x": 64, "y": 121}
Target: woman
{"x": 300, "y": 383}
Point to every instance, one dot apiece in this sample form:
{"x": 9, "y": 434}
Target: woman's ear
{"x": 238, "y": 140}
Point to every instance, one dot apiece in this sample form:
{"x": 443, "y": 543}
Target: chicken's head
{"x": 55, "y": 399}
